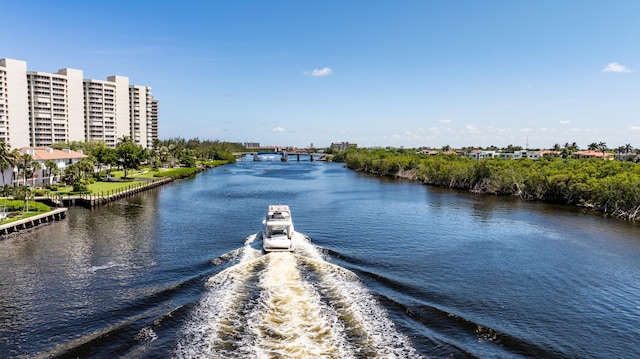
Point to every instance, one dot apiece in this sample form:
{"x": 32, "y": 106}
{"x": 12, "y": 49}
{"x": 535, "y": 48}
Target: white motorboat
{"x": 277, "y": 229}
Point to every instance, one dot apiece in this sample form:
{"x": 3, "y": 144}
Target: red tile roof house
{"x": 593, "y": 154}
{"x": 61, "y": 158}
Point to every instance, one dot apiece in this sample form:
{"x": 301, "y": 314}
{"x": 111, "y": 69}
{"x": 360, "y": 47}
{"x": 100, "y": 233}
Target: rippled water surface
{"x": 384, "y": 268}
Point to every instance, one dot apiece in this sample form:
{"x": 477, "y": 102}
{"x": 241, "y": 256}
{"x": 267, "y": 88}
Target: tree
{"x": 52, "y": 169}
{"x": 24, "y": 166}
{"x": 35, "y": 166}
{"x": 106, "y": 156}
{"x": 6, "y": 158}
{"x": 85, "y": 166}
{"x": 15, "y": 160}
{"x": 72, "y": 173}
{"x": 602, "y": 146}
{"x": 129, "y": 155}
{"x": 5, "y": 190}
{"x": 599, "y": 146}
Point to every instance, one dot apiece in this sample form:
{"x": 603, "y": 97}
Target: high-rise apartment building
{"x": 152, "y": 122}
{"x": 39, "y": 108}
{"x": 104, "y": 103}
{"x": 56, "y": 113}
{"x": 14, "y": 106}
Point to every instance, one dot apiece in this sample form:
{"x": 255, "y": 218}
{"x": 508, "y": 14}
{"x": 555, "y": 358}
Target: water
{"x": 387, "y": 269}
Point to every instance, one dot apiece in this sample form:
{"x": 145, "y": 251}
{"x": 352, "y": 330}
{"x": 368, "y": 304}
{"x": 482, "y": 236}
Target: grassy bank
{"x": 16, "y": 209}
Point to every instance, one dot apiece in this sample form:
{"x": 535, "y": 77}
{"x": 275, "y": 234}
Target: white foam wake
{"x": 290, "y": 305}
{"x": 291, "y": 320}
{"x": 218, "y": 315}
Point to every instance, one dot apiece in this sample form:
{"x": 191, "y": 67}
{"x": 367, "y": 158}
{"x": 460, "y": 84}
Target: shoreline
{"x": 409, "y": 175}
{"x": 31, "y": 223}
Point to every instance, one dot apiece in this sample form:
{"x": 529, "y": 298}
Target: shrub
{"x": 80, "y": 187}
{"x": 17, "y": 205}
{"x": 178, "y": 172}
{"x": 40, "y": 192}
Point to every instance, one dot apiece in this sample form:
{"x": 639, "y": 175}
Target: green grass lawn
{"x": 106, "y": 188}
{"x": 15, "y": 207}
{"x": 18, "y": 217}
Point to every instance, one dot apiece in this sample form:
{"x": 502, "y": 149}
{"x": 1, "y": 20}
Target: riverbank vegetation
{"x": 16, "y": 209}
{"x": 107, "y": 169}
{"x": 611, "y": 187}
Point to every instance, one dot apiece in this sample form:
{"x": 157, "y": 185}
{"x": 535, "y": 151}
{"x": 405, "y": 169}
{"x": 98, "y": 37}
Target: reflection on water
{"x": 394, "y": 269}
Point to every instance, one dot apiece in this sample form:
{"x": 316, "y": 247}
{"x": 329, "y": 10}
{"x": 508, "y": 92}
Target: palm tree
{"x": 602, "y": 146}
{"x": 15, "y": 161}
{"x": 86, "y": 166}
{"x": 72, "y": 173}
{"x": 5, "y": 191}
{"x": 35, "y": 165}
{"x": 6, "y": 158}
{"x": 24, "y": 161}
{"x": 51, "y": 167}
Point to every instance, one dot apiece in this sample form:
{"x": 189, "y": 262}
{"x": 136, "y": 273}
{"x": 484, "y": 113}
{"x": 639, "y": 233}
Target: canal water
{"x": 388, "y": 269}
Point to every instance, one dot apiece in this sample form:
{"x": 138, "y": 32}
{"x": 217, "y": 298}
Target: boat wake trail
{"x": 289, "y": 305}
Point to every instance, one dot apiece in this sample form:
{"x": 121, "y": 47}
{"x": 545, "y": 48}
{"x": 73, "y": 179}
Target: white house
{"x": 477, "y": 154}
{"x": 61, "y": 158}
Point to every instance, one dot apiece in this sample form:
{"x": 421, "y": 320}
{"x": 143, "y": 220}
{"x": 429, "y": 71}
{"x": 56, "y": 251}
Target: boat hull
{"x": 277, "y": 244}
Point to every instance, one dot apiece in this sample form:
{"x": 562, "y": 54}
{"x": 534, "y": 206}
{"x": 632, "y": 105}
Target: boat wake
{"x": 289, "y": 304}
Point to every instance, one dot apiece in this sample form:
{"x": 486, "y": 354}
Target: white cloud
{"x": 279, "y": 129}
{"x": 445, "y": 120}
{"x": 634, "y": 128}
{"x": 471, "y": 129}
{"x": 325, "y": 71}
{"x": 616, "y": 67}
{"x": 564, "y": 122}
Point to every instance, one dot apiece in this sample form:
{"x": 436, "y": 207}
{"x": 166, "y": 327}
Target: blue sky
{"x": 377, "y": 73}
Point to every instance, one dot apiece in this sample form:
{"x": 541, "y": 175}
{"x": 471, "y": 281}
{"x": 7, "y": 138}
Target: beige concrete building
{"x": 40, "y": 108}
{"x": 105, "y": 102}
{"x": 56, "y": 110}
{"x": 152, "y": 122}
{"x": 143, "y": 109}
{"x": 14, "y": 105}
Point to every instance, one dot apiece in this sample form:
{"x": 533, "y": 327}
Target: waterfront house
{"x": 61, "y": 158}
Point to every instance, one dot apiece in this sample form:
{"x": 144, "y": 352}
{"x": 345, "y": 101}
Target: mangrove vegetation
{"x": 611, "y": 187}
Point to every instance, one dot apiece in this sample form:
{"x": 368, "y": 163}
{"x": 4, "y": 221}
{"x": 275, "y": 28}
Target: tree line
{"x": 611, "y": 187}
{"x": 127, "y": 156}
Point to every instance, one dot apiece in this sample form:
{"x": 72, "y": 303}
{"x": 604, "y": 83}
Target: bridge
{"x": 286, "y": 156}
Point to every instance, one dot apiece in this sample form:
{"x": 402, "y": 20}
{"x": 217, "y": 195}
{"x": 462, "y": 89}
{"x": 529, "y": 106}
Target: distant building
{"x": 593, "y": 154}
{"x": 478, "y": 154}
{"x": 251, "y": 144}
{"x": 342, "y": 146}
{"x": 430, "y": 152}
{"x": 532, "y": 155}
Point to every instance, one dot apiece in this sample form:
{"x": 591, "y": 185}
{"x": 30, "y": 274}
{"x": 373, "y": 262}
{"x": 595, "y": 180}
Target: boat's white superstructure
{"x": 277, "y": 229}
